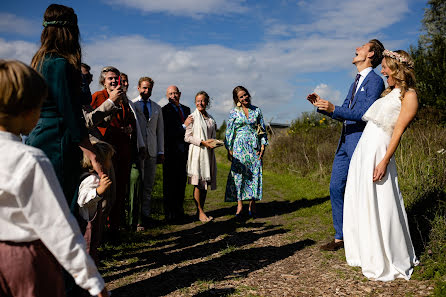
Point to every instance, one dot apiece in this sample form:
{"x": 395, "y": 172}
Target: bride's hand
{"x": 380, "y": 170}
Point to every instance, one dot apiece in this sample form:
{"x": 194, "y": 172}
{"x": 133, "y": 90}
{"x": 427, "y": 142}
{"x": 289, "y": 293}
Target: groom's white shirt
{"x": 363, "y": 74}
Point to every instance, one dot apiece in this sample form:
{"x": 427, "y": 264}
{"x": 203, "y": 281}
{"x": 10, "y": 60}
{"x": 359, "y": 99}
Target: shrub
{"x": 307, "y": 148}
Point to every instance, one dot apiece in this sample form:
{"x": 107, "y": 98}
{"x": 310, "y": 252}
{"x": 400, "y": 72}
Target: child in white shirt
{"x": 37, "y": 230}
{"x": 91, "y": 193}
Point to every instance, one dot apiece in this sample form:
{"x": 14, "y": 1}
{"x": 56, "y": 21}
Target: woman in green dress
{"x": 245, "y": 141}
{"x": 61, "y": 130}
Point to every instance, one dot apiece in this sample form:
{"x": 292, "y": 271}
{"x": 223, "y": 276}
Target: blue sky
{"x": 280, "y": 50}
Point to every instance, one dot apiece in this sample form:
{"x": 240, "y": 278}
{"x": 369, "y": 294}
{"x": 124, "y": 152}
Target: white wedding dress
{"x": 376, "y": 232}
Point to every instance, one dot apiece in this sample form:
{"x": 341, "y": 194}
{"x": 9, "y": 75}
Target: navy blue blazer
{"x": 369, "y": 90}
{"x": 173, "y": 130}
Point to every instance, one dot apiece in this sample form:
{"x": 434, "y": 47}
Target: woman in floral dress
{"x": 245, "y": 141}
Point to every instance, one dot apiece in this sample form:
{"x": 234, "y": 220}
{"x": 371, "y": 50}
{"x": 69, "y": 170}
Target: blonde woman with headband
{"x": 376, "y": 231}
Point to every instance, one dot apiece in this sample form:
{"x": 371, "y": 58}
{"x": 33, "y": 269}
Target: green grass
{"x": 295, "y": 203}
{"x": 292, "y": 205}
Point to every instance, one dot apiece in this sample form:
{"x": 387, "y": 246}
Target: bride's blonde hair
{"x": 401, "y": 65}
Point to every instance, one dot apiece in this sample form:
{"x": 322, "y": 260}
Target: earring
{"x": 239, "y": 104}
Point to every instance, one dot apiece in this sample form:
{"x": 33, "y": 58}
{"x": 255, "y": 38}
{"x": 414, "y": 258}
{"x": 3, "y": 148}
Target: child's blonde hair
{"x": 104, "y": 151}
{"x": 21, "y": 88}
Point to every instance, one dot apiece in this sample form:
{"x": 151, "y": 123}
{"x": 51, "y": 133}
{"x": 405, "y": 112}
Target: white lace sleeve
{"x": 385, "y": 111}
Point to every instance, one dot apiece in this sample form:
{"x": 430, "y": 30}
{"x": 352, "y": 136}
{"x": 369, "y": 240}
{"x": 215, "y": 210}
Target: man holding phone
{"x": 116, "y": 133}
{"x": 100, "y": 115}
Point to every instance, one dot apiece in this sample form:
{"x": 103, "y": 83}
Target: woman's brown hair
{"x": 60, "y": 36}
{"x": 235, "y": 92}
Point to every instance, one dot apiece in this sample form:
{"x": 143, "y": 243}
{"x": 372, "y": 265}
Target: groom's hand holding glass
{"x": 320, "y": 103}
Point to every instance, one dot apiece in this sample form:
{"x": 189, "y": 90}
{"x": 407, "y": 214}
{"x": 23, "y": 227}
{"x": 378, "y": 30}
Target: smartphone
{"x": 119, "y": 80}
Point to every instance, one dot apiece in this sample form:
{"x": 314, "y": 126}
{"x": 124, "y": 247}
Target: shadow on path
{"x": 272, "y": 208}
{"x": 216, "y": 292}
{"x": 186, "y": 247}
{"x": 236, "y": 264}
{"x": 209, "y": 231}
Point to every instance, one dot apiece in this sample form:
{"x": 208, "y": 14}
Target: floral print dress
{"x": 244, "y": 139}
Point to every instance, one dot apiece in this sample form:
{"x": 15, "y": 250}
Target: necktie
{"x": 181, "y": 115}
{"x": 355, "y": 85}
{"x": 145, "y": 110}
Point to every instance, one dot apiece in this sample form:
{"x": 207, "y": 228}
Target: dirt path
{"x": 274, "y": 255}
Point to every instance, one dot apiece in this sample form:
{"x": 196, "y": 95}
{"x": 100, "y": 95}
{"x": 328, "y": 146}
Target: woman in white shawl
{"x": 201, "y": 163}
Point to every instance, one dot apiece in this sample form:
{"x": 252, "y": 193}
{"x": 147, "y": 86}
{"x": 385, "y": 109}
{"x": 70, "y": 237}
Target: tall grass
{"x": 421, "y": 161}
{"x": 308, "y": 148}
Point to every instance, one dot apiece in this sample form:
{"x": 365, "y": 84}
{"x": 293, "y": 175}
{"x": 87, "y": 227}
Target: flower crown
{"x": 399, "y": 58}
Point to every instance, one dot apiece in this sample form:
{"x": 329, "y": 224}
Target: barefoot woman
{"x": 201, "y": 163}
{"x": 245, "y": 141}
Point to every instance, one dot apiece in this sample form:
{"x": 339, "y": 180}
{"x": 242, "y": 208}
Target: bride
{"x": 376, "y": 232}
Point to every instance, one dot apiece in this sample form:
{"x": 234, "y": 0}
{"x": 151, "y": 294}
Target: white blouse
{"x": 88, "y": 198}
{"x": 33, "y": 206}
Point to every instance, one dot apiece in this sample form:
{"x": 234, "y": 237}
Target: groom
{"x": 366, "y": 88}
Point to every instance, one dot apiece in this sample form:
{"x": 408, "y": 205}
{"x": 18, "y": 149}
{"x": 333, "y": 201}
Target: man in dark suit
{"x": 176, "y": 118}
{"x": 366, "y": 88}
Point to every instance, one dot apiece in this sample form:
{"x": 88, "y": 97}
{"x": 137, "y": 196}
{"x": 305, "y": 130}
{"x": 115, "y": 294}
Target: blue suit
{"x": 369, "y": 90}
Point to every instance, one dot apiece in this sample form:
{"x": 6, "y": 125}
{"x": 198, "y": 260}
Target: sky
{"x": 279, "y": 50}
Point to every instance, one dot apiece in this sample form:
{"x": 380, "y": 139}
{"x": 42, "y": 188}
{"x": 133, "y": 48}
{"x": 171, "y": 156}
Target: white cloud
{"x": 193, "y": 8}
{"x": 11, "y": 23}
{"x": 328, "y": 93}
{"x": 181, "y": 61}
{"x": 266, "y": 71}
{"x": 163, "y": 101}
{"x": 17, "y": 50}
{"x": 346, "y": 19}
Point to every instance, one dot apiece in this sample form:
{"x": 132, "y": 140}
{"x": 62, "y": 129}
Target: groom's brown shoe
{"x": 332, "y": 246}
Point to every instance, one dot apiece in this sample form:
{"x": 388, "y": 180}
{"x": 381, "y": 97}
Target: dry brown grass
{"x": 307, "y": 148}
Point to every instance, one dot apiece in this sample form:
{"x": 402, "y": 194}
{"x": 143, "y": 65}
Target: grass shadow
{"x": 188, "y": 245}
{"x": 235, "y": 264}
{"x": 272, "y": 208}
{"x": 216, "y": 293}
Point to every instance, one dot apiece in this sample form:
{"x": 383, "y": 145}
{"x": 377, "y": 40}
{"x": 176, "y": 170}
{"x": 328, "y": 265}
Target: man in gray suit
{"x": 150, "y": 119}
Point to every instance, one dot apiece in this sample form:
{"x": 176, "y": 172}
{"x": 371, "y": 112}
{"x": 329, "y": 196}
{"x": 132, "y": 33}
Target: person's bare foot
{"x": 204, "y": 218}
